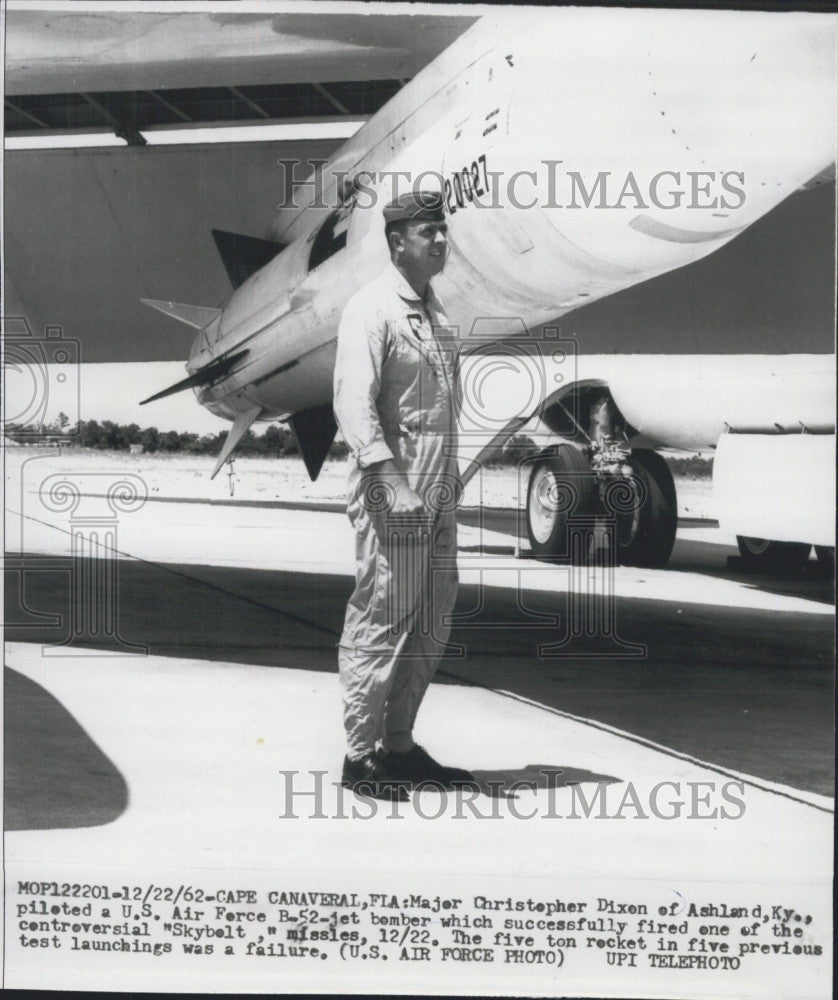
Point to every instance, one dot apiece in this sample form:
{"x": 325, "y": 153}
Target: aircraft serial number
{"x": 467, "y": 184}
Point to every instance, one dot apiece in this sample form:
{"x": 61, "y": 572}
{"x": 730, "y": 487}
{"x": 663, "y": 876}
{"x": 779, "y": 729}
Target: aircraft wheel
{"x": 561, "y": 486}
{"x": 646, "y": 509}
{"x": 760, "y": 555}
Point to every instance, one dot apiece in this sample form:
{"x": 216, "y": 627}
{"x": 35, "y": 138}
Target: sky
{"x": 105, "y": 392}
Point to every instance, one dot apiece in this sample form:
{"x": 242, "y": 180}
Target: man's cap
{"x": 421, "y": 206}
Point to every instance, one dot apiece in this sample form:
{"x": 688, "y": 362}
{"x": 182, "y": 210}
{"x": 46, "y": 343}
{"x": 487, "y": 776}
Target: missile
{"x": 578, "y": 151}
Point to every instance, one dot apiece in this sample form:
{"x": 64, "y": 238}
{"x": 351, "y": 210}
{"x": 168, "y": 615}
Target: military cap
{"x": 424, "y": 206}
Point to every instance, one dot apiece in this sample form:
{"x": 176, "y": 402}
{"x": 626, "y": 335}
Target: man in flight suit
{"x": 396, "y": 404}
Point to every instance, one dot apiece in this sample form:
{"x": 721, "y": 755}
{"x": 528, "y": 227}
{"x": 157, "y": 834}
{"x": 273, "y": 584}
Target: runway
{"x": 732, "y": 669}
{"x": 164, "y": 746}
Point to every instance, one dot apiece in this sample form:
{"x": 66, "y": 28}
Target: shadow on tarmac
{"x": 506, "y": 784}
{"x": 744, "y": 689}
{"x": 56, "y": 777}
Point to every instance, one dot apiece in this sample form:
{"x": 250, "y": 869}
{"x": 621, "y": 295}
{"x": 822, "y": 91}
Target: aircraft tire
{"x": 760, "y": 555}
{"x": 561, "y": 487}
{"x": 646, "y": 509}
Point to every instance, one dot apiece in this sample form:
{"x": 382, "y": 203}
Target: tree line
{"x": 277, "y": 441}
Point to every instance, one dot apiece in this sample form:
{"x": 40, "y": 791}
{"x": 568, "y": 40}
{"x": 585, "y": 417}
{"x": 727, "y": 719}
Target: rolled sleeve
{"x": 360, "y": 352}
{"x": 378, "y": 451}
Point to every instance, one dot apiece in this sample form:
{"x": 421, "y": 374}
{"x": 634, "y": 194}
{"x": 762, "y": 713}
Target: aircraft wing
{"x": 89, "y": 232}
{"x": 53, "y": 51}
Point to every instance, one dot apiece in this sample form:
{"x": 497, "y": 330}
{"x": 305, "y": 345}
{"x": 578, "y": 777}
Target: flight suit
{"x": 396, "y": 397}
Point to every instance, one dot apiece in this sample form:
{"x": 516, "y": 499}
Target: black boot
{"x": 417, "y": 766}
{"x": 369, "y": 776}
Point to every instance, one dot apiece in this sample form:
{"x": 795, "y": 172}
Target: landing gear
{"x": 634, "y": 489}
{"x": 759, "y": 555}
{"x": 628, "y": 496}
{"x": 646, "y": 530}
{"x": 561, "y": 486}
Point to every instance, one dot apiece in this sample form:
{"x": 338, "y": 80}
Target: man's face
{"x": 423, "y": 248}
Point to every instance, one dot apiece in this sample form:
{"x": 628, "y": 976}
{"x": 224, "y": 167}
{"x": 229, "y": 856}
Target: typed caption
{"x": 323, "y": 931}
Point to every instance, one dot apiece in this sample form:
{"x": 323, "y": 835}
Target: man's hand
{"x": 390, "y": 481}
{"x": 406, "y": 502}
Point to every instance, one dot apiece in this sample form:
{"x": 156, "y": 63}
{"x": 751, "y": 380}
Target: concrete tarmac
{"x": 734, "y": 670}
{"x": 159, "y": 738}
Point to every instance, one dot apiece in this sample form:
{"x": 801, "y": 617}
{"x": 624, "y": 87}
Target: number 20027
{"x": 467, "y": 184}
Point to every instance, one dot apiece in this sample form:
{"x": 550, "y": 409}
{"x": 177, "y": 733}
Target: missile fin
{"x": 243, "y": 255}
{"x": 203, "y": 376}
{"x": 197, "y": 317}
{"x": 314, "y": 430}
{"x": 240, "y": 427}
